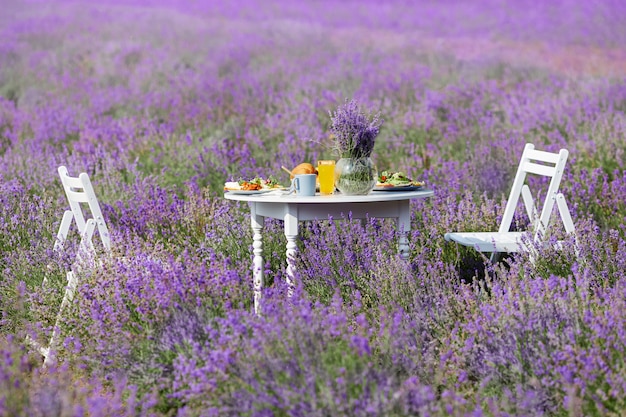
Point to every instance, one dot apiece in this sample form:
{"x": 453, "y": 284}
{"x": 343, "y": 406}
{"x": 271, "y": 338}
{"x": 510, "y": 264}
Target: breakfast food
{"x": 396, "y": 179}
{"x": 255, "y": 184}
{"x": 303, "y": 168}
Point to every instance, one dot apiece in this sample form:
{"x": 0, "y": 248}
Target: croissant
{"x": 303, "y": 168}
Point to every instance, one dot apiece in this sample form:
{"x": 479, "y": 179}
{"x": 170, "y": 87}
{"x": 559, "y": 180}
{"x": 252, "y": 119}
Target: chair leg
{"x": 86, "y": 249}
{"x": 568, "y": 223}
{"x": 495, "y": 257}
{"x": 529, "y": 202}
{"x": 64, "y": 229}
{"x": 72, "y": 283}
{"x": 43, "y": 351}
{"x": 566, "y": 216}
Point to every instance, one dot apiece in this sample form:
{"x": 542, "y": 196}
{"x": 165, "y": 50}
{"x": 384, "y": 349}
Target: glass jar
{"x": 355, "y": 176}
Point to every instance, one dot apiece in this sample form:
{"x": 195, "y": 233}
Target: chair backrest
{"x": 543, "y": 163}
{"x": 79, "y": 190}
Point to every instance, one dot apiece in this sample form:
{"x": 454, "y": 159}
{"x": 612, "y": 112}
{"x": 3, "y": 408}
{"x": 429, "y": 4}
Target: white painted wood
{"x": 537, "y": 155}
{"x": 64, "y": 229}
{"x": 292, "y": 209}
{"x": 257, "y": 221}
{"x": 566, "y": 217}
{"x": 78, "y": 190}
{"x": 532, "y": 168}
{"x": 49, "y": 352}
{"x": 532, "y": 162}
{"x": 489, "y": 241}
{"x": 333, "y": 199}
{"x": 291, "y": 234}
{"x": 529, "y": 203}
{"x": 403, "y": 225}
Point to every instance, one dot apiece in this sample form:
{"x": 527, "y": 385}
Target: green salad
{"x": 394, "y": 179}
{"x": 269, "y": 182}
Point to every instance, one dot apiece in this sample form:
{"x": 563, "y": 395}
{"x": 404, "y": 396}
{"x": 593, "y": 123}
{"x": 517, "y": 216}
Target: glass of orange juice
{"x": 326, "y": 176}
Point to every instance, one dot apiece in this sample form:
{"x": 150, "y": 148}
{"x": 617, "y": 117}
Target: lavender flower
{"x": 354, "y": 131}
{"x": 159, "y": 120}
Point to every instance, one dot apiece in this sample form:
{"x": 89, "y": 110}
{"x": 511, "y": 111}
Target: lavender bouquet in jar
{"x": 354, "y": 134}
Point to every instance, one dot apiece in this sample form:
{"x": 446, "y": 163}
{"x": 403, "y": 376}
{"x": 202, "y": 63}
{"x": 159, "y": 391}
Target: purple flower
{"x": 354, "y": 131}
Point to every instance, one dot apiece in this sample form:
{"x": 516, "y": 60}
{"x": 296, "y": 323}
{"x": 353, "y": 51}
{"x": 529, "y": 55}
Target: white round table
{"x": 292, "y": 209}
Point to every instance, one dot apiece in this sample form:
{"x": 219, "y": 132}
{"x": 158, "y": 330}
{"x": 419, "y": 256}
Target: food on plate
{"x": 255, "y": 184}
{"x": 396, "y": 179}
{"x": 303, "y": 168}
{"x": 251, "y": 186}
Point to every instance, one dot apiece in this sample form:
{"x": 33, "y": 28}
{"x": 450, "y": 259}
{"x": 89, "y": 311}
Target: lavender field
{"x": 162, "y": 101}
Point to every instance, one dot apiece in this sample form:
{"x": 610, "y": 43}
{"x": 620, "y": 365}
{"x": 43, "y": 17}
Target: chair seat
{"x": 489, "y": 241}
{"x": 535, "y": 162}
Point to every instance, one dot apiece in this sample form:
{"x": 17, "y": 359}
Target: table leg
{"x": 257, "y": 222}
{"x": 291, "y": 233}
{"x": 404, "y": 227}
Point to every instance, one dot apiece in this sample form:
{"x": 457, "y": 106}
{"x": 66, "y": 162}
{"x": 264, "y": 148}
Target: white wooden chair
{"x": 78, "y": 191}
{"x": 505, "y": 241}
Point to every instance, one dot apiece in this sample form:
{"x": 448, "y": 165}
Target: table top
{"x": 374, "y": 196}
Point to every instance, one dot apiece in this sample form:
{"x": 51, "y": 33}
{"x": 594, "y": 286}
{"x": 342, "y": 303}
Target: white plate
{"x": 399, "y": 188}
{"x": 252, "y": 192}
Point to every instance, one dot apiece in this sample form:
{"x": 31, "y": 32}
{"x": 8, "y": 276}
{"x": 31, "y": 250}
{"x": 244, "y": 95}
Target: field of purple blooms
{"x": 162, "y": 101}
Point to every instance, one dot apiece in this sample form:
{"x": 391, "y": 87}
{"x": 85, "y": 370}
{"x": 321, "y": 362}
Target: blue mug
{"x": 304, "y": 184}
